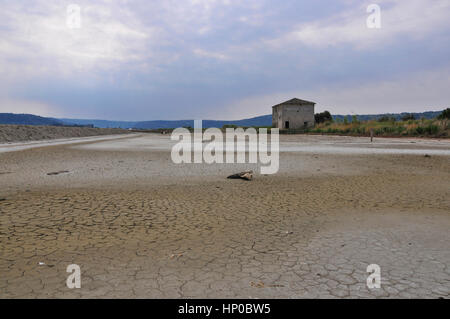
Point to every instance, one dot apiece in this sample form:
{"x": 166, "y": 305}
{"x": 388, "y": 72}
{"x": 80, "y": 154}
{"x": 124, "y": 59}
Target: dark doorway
{"x": 286, "y": 124}
{"x": 306, "y": 124}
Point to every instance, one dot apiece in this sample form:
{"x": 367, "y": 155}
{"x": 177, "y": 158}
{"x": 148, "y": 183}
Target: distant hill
{"x": 99, "y": 123}
{"x": 265, "y": 120}
{"x": 28, "y": 119}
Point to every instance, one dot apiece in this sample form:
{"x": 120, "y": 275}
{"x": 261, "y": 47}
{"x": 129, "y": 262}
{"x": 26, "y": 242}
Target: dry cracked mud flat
{"x": 140, "y": 226}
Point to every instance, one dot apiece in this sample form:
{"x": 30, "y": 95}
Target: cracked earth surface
{"x": 290, "y": 235}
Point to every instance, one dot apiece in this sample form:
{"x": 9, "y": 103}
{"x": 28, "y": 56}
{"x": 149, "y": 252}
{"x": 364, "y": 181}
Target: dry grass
{"x": 428, "y": 128}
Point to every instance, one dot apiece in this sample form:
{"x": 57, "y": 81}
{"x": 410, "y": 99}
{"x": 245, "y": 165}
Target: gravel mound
{"x": 19, "y": 133}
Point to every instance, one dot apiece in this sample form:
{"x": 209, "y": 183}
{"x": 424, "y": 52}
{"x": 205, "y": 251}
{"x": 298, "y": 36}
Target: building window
{"x": 286, "y": 124}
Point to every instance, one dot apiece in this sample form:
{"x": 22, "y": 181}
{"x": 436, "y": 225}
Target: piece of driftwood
{"x": 248, "y": 175}
{"x": 57, "y": 173}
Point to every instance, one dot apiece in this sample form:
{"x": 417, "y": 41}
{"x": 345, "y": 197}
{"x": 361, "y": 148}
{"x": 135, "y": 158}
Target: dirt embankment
{"x": 18, "y": 133}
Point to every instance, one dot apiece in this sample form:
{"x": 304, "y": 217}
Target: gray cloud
{"x": 220, "y": 58}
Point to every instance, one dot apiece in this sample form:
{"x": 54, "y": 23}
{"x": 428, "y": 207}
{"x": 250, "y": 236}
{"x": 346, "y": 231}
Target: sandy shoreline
{"x": 24, "y": 145}
{"x": 140, "y": 226}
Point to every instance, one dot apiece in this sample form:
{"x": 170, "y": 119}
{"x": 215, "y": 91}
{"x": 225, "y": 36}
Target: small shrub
{"x": 431, "y": 129}
{"x": 386, "y": 118}
{"x": 445, "y": 114}
{"x": 420, "y": 130}
{"x": 408, "y": 117}
{"x": 323, "y": 117}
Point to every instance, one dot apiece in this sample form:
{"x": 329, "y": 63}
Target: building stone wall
{"x": 275, "y": 117}
{"x": 299, "y": 116}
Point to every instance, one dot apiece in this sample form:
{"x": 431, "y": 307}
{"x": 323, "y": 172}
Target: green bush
{"x": 420, "y": 130}
{"x": 386, "y": 119}
{"x": 408, "y": 117}
{"x": 323, "y": 117}
{"x": 400, "y": 129}
{"x": 445, "y": 114}
{"x": 431, "y": 129}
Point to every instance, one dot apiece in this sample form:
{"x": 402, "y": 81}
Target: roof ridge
{"x": 295, "y": 101}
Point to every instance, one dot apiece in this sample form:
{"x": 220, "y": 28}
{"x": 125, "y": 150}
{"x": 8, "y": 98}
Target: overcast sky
{"x": 221, "y": 59}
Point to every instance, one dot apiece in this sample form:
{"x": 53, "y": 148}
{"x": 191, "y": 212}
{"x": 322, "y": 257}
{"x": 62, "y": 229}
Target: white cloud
{"x": 142, "y": 46}
{"x": 8, "y": 105}
{"x": 412, "y": 19}
{"x": 424, "y": 91}
{"x": 210, "y": 54}
{"x": 37, "y": 41}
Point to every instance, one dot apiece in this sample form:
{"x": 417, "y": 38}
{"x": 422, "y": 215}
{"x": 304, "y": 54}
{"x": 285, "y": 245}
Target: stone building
{"x": 293, "y": 114}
